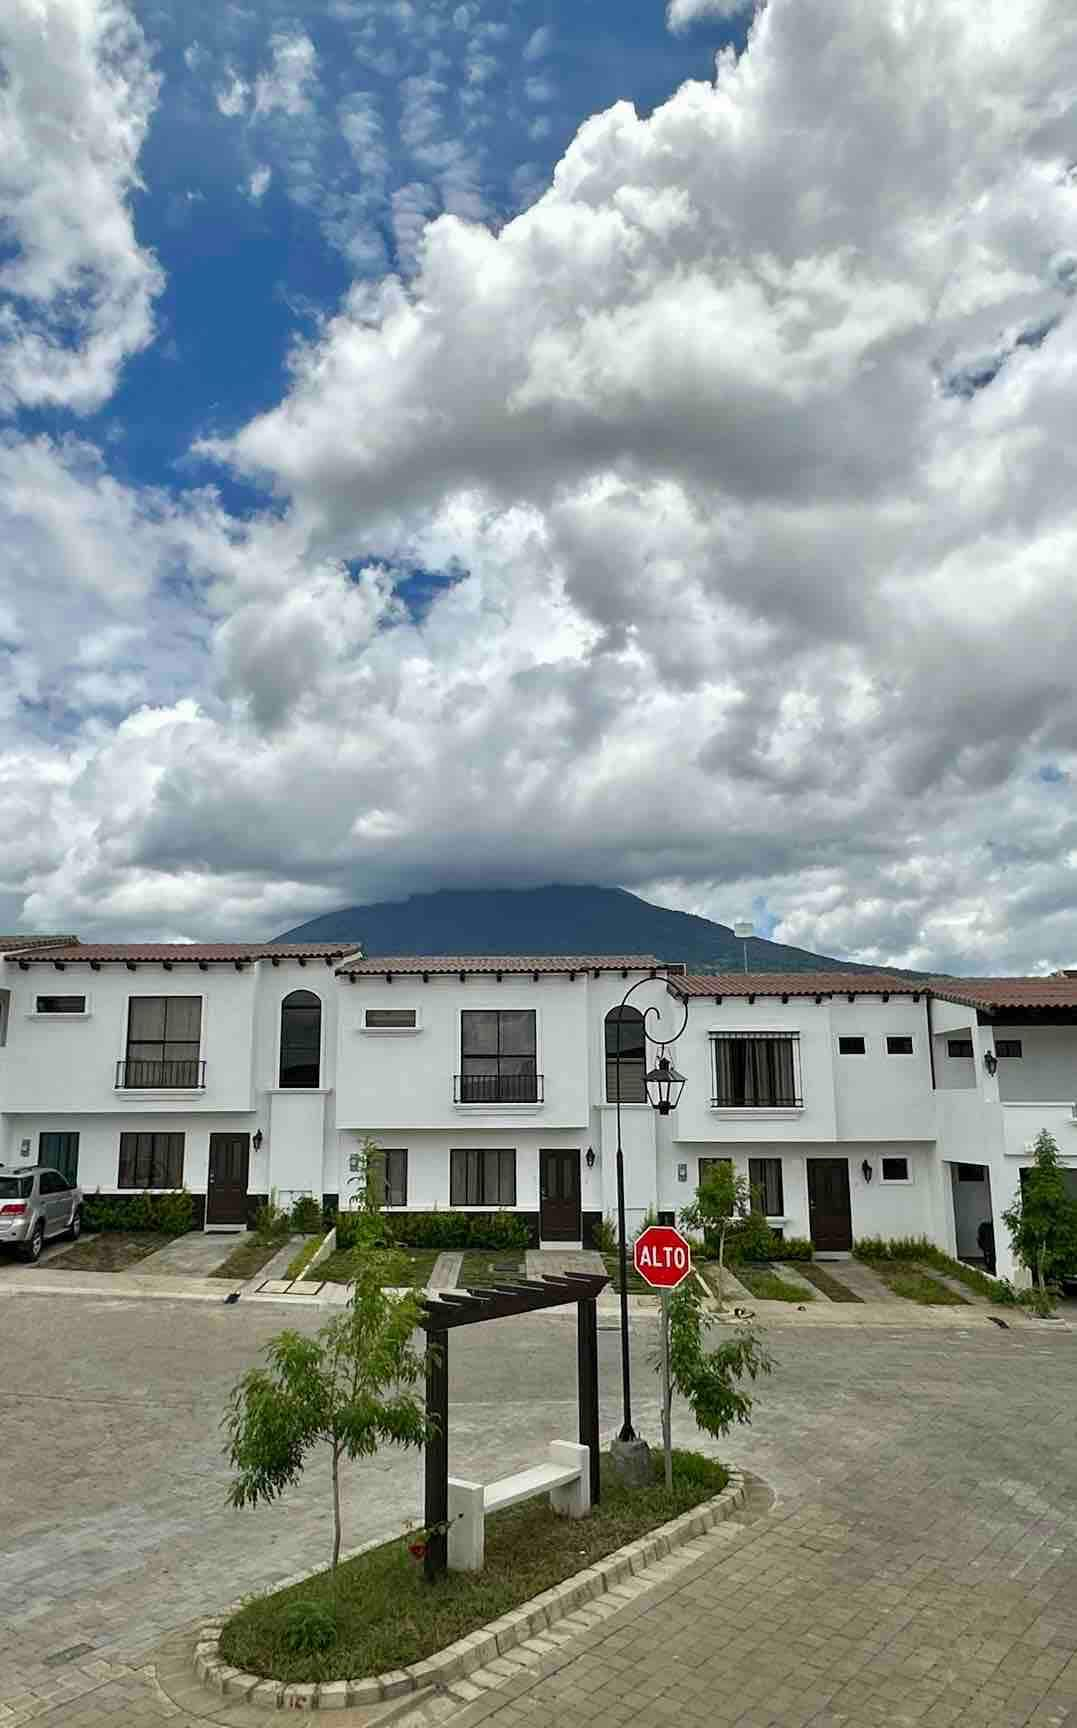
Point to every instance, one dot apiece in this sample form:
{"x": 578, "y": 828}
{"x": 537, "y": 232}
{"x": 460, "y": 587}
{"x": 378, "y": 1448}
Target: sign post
{"x": 663, "y": 1259}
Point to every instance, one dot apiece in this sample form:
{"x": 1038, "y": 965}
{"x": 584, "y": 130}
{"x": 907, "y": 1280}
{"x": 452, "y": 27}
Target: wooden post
{"x": 587, "y": 1375}
{"x": 437, "y": 1453}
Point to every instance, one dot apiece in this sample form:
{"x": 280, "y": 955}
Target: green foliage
{"x": 347, "y": 1388}
{"x": 308, "y": 1628}
{"x": 793, "y": 1248}
{"x": 769, "y": 1286}
{"x": 300, "y": 1260}
{"x": 498, "y": 1230}
{"x": 366, "y": 1230}
{"x": 306, "y": 1215}
{"x": 604, "y": 1235}
{"x": 650, "y": 1219}
{"x": 918, "y": 1250}
{"x": 437, "y": 1230}
{"x": 708, "y": 1379}
{"x": 170, "y": 1214}
{"x": 1043, "y": 1219}
{"x": 894, "y": 1248}
{"x": 367, "y": 1180}
{"x": 751, "y": 1239}
{"x": 271, "y": 1221}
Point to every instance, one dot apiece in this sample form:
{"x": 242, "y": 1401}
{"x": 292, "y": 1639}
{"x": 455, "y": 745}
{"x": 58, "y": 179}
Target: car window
{"x": 51, "y": 1183}
{"x": 15, "y": 1187}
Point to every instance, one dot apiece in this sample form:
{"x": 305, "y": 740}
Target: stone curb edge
{"x": 479, "y": 1647}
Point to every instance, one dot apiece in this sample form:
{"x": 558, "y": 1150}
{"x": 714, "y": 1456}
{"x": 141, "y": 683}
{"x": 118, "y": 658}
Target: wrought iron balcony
{"x": 186, "y": 1074}
{"x": 777, "y": 1101}
{"x": 498, "y": 1088}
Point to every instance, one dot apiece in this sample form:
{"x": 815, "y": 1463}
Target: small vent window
{"x": 895, "y": 1169}
{"x": 61, "y": 1005}
{"x": 1008, "y": 1047}
{"x": 852, "y": 1047}
{"x": 899, "y": 1046}
{"x": 959, "y": 1047}
{"x": 391, "y": 1019}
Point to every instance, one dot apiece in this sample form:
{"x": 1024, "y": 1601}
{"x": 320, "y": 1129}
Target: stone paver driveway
{"x": 917, "y": 1563}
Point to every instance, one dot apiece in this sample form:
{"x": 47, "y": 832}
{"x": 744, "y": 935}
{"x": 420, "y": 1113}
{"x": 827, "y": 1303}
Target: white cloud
{"x": 683, "y": 14}
{"x": 232, "y": 97}
{"x": 539, "y": 43}
{"x": 258, "y": 184}
{"x": 77, "y": 290}
{"x": 286, "y": 87}
{"x": 538, "y": 90}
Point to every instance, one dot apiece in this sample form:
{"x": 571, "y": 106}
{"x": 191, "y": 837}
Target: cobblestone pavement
{"x": 917, "y": 1563}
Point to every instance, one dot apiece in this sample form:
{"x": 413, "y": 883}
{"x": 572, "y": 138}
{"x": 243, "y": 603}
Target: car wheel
{"x": 33, "y": 1248}
{"x": 76, "y": 1225}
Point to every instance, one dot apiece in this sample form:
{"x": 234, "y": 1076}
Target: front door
{"x": 559, "y": 1188}
{"x": 829, "y": 1207}
{"x": 226, "y": 1194}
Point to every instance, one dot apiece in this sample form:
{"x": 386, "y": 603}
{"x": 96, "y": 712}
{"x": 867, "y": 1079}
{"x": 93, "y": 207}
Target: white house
{"x": 857, "y": 1103}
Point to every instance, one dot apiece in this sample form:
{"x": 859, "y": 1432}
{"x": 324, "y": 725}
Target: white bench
{"x": 566, "y": 1478}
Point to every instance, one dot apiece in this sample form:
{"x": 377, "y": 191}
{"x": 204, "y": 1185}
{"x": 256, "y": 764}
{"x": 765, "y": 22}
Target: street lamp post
{"x": 663, "y": 1086}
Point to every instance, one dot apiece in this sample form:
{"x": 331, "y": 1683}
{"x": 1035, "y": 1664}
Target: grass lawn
{"x": 413, "y": 1266}
{"x": 769, "y": 1286}
{"x": 386, "y": 1614}
{"x": 490, "y": 1266}
{"x": 915, "y": 1285}
{"x": 111, "y": 1251}
{"x": 826, "y": 1282}
{"x": 251, "y": 1253}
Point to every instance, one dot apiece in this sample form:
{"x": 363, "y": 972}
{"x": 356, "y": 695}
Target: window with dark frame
{"x": 852, "y": 1047}
{"x": 391, "y": 1019}
{"x": 485, "y": 1176}
{"x": 895, "y": 1169}
{"x": 151, "y": 1161}
{"x": 61, "y": 1152}
{"x": 388, "y": 1169}
{"x": 971, "y": 1173}
{"x": 61, "y": 1005}
{"x": 959, "y": 1047}
{"x": 164, "y": 1035}
{"x": 898, "y": 1044}
{"x": 755, "y": 1070}
{"x": 1008, "y": 1047}
{"x": 498, "y": 1056}
{"x": 625, "y": 1034}
{"x": 765, "y": 1182}
{"x": 300, "y": 1040}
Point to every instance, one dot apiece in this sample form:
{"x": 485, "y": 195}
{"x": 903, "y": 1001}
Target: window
{"x": 1008, "y": 1047}
{"x": 755, "y": 1070}
{"x": 151, "y": 1161}
{"x": 707, "y": 1167}
{"x": 852, "y": 1047}
{"x": 971, "y": 1173}
{"x": 486, "y": 1177}
{"x": 163, "y": 1037}
{"x": 301, "y": 1039}
{"x": 959, "y": 1046}
{"x": 5, "y": 1014}
{"x": 53, "y": 1183}
{"x": 765, "y": 1182}
{"x": 391, "y": 1019}
{"x": 16, "y": 1187}
{"x": 899, "y": 1046}
{"x": 895, "y": 1169}
{"x": 61, "y": 1005}
{"x": 626, "y": 1056}
{"x": 497, "y": 1056}
{"x": 61, "y": 1152}
{"x": 388, "y": 1171}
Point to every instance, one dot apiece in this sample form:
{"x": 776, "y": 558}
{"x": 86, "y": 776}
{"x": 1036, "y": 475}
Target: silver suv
{"x": 35, "y": 1205}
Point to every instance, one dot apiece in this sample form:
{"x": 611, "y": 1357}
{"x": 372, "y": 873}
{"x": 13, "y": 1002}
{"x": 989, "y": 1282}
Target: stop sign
{"x": 663, "y": 1257}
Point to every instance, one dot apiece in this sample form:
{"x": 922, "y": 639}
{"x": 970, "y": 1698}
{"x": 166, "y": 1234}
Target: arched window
{"x": 624, "y": 1032}
{"x": 300, "y": 1039}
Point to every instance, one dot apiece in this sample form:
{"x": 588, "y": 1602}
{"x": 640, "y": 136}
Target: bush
{"x": 306, "y": 1215}
{"x": 794, "y": 1248}
{"x": 170, "y": 1214}
{"x": 751, "y": 1239}
{"x": 271, "y": 1220}
{"x": 307, "y": 1628}
{"x": 604, "y": 1235}
{"x": 499, "y": 1230}
{"x": 436, "y": 1230}
{"x": 918, "y": 1248}
{"x": 363, "y": 1230}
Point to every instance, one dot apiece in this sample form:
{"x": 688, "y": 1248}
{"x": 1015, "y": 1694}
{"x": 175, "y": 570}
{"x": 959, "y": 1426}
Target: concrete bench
{"x": 566, "y": 1478}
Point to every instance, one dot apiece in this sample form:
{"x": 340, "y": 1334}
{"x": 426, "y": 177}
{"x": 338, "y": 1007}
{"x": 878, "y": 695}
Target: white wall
{"x": 99, "y": 1142}
{"x": 428, "y": 1162}
{"x": 878, "y": 1094}
{"x": 1046, "y": 1070}
{"x": 697, "y": 1120}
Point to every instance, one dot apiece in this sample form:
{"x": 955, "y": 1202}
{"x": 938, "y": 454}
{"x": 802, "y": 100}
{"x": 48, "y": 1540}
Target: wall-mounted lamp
{"x": 590, "y": 1158}
{"x": 24, "y": 1148}
{"x": 866, "y": 1171}
{"x": 682, "y": 1172}
{"x": 257, "y": 1141}
{"x": 990, "y": 1062}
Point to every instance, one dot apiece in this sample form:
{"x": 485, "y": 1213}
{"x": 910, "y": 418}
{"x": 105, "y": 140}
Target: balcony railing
{"x": 777, "y": 1101}
{"x": 498, "y": 1088}
{"x": 186, "y": 1074}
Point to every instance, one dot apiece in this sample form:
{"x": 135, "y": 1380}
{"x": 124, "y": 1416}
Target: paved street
{"x": 917, "y": 1563}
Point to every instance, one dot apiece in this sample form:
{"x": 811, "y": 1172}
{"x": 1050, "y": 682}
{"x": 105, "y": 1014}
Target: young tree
{"x": 1043, "y": 1218}
{"x": 708, "y": 1378}
{"x": 347, "y": 1388}
{"x": 721, "y": 1198}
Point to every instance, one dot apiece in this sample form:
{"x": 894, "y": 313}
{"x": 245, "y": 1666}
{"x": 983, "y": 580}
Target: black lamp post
{"x": 664, "y": 1087}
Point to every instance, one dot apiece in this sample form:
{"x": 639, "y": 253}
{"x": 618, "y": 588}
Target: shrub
{"x": 363, "y": 1230}
{"x": 431, "y": 1229}
{"x": 271, "y": 1220}
{"x": 437, "y": 1230}
{"x": 604, "y": 1235}
{"x": 918, "y": 1248}
{"x": 308, "y": 1628}
{"x": 750, "y": 1239}
{"x": 793, "y": 1248}
{"x": 170, "y": 1214}
{"x": 499, "y": 1230}
{"x": 306, "y": 1215}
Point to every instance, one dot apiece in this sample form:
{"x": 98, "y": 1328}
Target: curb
{"x": 479, "y": 1647}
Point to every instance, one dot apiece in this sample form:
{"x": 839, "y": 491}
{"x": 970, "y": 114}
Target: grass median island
{"x": 826, "y": 1282}
{"x": 384, "y": 1614}
{"x": 769, "y": 1286}
{"x": 915, "y": 1285}
{"x": 410, "y": 1266}
{"x": 111, "y": 1251}
{"x": 249, "y": 1255}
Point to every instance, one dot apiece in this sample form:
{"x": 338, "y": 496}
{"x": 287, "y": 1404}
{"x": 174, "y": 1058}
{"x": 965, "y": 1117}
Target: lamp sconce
{"x": 257, "y": 1141}
{"x": 590, "y": 1158}
{"x": 682, "y": 1172}
{"x": 24, "y": 1148}
{"x": 866, "y": 1171}
{"x": 990, "y": 1062}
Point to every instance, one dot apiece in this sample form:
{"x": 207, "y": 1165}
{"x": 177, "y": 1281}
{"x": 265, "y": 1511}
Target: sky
{"x": 622, "y": 441}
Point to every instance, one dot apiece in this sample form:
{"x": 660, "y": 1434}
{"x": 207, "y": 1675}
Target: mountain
{"x": 555, "y": 920}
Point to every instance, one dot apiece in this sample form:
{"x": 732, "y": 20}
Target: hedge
{"x": 170, "y": 1214}
{"x": 443, "y": 1230}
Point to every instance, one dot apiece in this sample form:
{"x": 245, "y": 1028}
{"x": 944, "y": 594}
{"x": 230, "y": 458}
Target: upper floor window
{"x": 1008, "y": 1047}
{"x": 498, "y": 1056}
{"x": 959, "y": 1046}
{"x": 852, "y": 1047}
{"x": 60, "y": 1005}
{"x": 390, "y": 1020}
{"x": 626, "y": 1056}
{"x": 756, "y": 1070}
{"x": 899, "y": 1045}
{"x": 301, "y": 1039}
{"x": 163, "y": 1039}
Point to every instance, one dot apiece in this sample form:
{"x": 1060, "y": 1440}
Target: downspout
{"x": 930, "y": 1037}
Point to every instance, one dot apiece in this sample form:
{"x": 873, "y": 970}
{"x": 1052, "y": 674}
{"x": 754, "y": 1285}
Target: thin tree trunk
{"x": 721, "y": 1267}
{"x": 336, "y": 1504}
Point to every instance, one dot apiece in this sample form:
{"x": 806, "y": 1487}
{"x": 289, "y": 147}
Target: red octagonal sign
{"x": 663, "y": 1256}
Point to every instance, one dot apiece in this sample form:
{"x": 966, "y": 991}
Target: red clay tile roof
{"x": 9, "y": 942}
{"x": 149, "y": 952}
{"x": 1052, "y": 992}
{"x": 376, "y": 966}
{"x": 795, "y": 984}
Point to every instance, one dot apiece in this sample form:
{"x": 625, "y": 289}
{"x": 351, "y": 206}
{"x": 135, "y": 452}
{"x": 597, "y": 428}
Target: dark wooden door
{"x": 559, "y": 1189}
{"x": 226, "y": 1195}
{"x": 829, "y": 1207}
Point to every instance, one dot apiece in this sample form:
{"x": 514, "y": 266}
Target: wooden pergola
{"x": 450, "y": 1309}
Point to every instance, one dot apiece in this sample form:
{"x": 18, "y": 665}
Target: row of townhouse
{"x": 858, "y": 1104}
